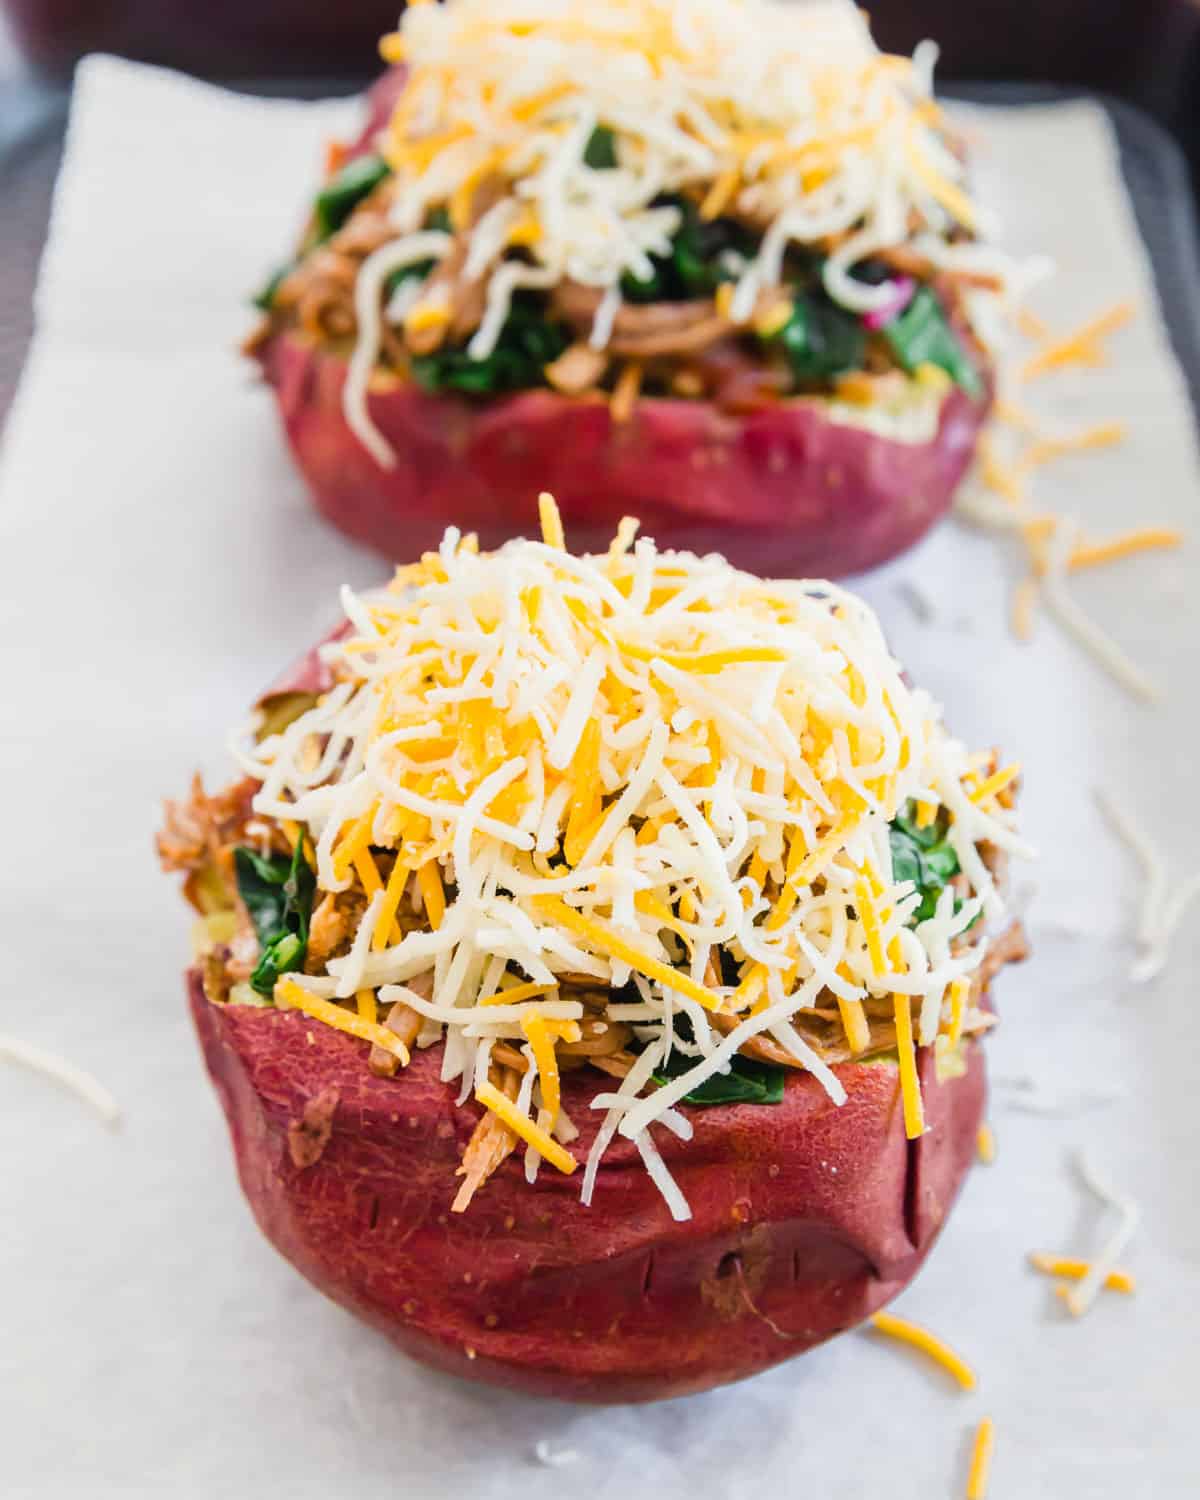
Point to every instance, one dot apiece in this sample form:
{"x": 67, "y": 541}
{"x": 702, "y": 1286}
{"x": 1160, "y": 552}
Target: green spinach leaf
{"x": 600, "y": 153}
{"x": 345, "y": 190}
{"x": 264, "y": 298}
{"x": 924, "y": 856}
{"x": 699, "y": 251}
{"x": 747, "y": 1082}
{"x": 278, "y": 893}
{"x": 527, "y": 343}
{"x": 921, "y": 335}
{"x": 695, "y": 266}
{"x": 820, "y": 339}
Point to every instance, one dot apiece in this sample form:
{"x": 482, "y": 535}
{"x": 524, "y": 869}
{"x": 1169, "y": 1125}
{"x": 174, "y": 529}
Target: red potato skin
{"x": 779, "y": 491}
{"x": 807, "y": 1218}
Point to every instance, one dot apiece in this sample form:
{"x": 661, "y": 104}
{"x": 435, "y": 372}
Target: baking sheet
{"x": 158, "y": 563}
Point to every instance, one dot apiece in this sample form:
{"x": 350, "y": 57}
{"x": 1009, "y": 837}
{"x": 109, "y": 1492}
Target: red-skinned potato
{"x": 806, "y": 1217}
{"x": 782, "y": 490}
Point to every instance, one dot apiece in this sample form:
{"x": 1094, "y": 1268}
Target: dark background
{"x": 1145, "y": 51}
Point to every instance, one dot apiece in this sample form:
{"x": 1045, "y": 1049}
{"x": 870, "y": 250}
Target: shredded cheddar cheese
{"x": 910, "y": 1085}
{"x": 995, "y": 783}
{"x": 959, "y": 990}
{"x": 626, "y": 390}
{"x": 289, "y": 995}
{"x": 1042, "y": 451}
{"x": 530, "y": 1132}
{"x": 515, "y": 993}
{"x": 1081, "y": 347}
{"x": 985, "y": 1144}
{"x": 612, "y": 945}
{"x": 981, "y": 1460}
{"x": 1117, "y": 1280}
{"x": 551, "y": 521}
{"x": 637, "y": 776}
{"x": 1149, "y": 539}
{"x": 858, "y": 1032}
{"x": 429, "y": 879}
{"x": 928, "y": 1343}
{"x": 1024, "y": 601}
{"x": 542, "y": 1046}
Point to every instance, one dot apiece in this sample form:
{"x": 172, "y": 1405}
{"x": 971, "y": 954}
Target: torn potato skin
{"x": 806, "y": 1217}
{"x": 308, "y": 1136}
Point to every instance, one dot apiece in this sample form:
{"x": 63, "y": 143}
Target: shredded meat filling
{"x": 199, "y": 835}
{"x": 647, "y": 330}
{"x": 406, "y": 1023}
{"x": 577, "y": 369}
{"x": 490, "y": 1144}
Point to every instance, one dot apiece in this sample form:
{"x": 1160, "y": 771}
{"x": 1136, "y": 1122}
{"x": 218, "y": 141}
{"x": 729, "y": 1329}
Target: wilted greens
{"x": 278, "y": 894}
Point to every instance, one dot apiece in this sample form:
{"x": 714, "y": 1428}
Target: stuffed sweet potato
{"x": 722, "y": 274}
{"x": 594, "y": 962}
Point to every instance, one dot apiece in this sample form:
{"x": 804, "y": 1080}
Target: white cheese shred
{"x": 76, "y": 1079}
{"x": 1160, "y": 909}
{"x": 554, "y": 1458}
{"x": 1080, "y": 1297}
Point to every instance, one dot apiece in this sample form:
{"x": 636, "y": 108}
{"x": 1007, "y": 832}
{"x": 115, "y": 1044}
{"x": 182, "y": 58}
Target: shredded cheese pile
{"x": 784, "y": 115}
{"x": 590, "y": 765}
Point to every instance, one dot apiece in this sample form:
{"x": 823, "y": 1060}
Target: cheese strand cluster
{"x": 637, "y": 768}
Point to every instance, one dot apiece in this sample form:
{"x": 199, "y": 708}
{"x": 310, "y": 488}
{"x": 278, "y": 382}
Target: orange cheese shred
{"x": 959, "y": 990}
{"x": 541, "y": 1044}
{"x": 719, "y": 196}
{"x": 910, "y": 1084}
{"x": 1080, "y": 347}
{"x": 292, "y": 996}
{"x": 920, "y": 1338}
{"x": 854, "y": 1021}
{"x": 355, "y": 839}
{"x": 981, "y": 1460}
{"x": 532, "y": 1134}
{"x": 1024, "y": 602}
{"x": 429, "y": 881}
{"x": 626, "y": 391}
{"x": 1151, "y": 538}
{"x": 551, "y": 522}
{"x": 518, "y": 993}
{"x": 610, "y": 943}
{"x": 385, "y": 923}
{"x": 1070, "y": 1269}
{"x": 995, "y": 783}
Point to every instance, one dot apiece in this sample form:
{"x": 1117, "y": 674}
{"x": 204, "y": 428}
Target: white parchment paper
{"x": 159, "y": 562}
